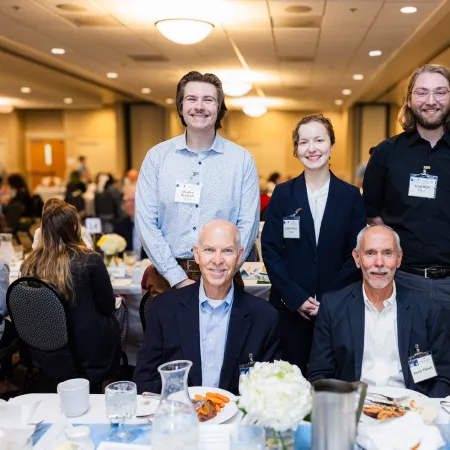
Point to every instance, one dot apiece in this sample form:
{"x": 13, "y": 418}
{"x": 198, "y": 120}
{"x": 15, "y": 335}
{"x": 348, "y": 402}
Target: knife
{"x": 392, "y": 405}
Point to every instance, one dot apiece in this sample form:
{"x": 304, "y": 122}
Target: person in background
{"x": 217, "y": 323}
{"x": 20, "y": 193}
{"x": 126, "y": 228}
{"x": 264, "y": 199}
{"x": 5, "y": 194}
{"x": 130, "y": 179}
{"x": 83, "y": 170}
{"x": 108, "y": 201}
{"x": 85, "y": 236}
{"x": 407, "y": 185}
{"x": 361, "y": 170}
{"x": 75, "y": 190}
{"x": 190, "y": 180}
{"x": 369, "y": 331}
{"x": 311, "y": 225}
{"x": 80, "y": 277}
{"x": 272, "y": 181}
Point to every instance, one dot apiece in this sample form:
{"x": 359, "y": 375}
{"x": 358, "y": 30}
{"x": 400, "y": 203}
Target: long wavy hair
{"x": 405, "y": 116}
{"x": 59, "y": 244}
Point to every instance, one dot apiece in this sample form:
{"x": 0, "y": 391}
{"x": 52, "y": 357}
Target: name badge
{"x": 188, "y": 193}
{"x": 422, "y": 185}
{"x": 291, "y": 228}
{"x": 422, "y": 367}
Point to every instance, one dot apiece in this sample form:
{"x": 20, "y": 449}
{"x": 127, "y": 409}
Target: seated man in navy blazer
{"x": 212, "y": 323}
{"x": 373, "y": 331}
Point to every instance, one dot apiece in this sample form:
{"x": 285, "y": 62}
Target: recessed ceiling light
{"x": 170, "y": 101}
{"x": 71, "y": 8}
{"x": 58, "y": 51}
{"x": 346, "y": 92}
{"x": 112, "y": 75}
{"x": 25, "y": 90}
{"x": 408, "y": 9}
{"x": 298, "y": 9}
{"x": 358, "y": 76}
{"x": 68, "y": 101}
{"x": 339, "y": 102}
{"x": 375, "y": 53}
{"x": 146, "y": 90}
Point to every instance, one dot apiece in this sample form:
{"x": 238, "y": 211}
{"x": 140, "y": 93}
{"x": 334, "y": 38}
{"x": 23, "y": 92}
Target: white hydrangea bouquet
{"x": 110, "y": 245}
{"x": 277, "y": 397}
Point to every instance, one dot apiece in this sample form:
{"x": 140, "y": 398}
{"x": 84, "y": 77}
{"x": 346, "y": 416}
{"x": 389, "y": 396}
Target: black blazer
{"x": 298, "y": 268}
{"x": 124, "y": 228}
{"x": 338, "y": 343}
{"x": 173, "y": 332}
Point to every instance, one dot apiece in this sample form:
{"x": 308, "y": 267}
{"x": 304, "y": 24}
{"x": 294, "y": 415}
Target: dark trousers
{"x": 295, "y": 338}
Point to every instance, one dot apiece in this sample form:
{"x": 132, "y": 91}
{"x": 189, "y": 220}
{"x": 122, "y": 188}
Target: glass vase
{"x": 110, "y": 260}
{"x": 279, "y": 440}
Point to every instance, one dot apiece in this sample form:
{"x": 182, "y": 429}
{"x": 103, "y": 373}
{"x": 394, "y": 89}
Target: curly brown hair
{"x": 313, "y": 118}
{"x": 202, "y": 78}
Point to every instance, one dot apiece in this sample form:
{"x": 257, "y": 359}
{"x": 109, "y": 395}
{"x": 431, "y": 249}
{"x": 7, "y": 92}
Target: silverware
{"x": 35, "y": 423}
{"x": 391, "y": 399}
{"x": 393, "y": 405}
{"x": 145, "y": 416}
{"x": 445, "y": 403}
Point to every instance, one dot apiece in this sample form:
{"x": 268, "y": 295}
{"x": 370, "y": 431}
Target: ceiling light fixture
{"x": 68, "y": 101}
{"x": 236, "y": 88}
{"x": 358, "y": 76}
{"x": 339, "y": 102}
{"x": 25, "y": 90}
{"x": 408, "y": 10}
{"x": 5, "y": 106}
{"x": 146, "y": 90}
{"x": 58, "y": 51}
{"x": 112, "y": 75}
{"x": 255, "y": 110}
{"x": 170, "y": 101}
{"x": 375, "y": 53}
{"x": 184, "y": 31}
{"x": 346, "y": 92}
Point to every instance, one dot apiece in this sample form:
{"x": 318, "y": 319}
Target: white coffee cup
{"x": 74, "y": 397}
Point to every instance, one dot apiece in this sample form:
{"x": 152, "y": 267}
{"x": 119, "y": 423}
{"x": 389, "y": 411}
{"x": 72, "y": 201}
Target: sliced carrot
{"x": 215, "y": 400}
{"x": 217, "y": 408}
{"x": 199, "y": 397}
{"x": 224, "y": 398}
{"x": 222, "y": 405}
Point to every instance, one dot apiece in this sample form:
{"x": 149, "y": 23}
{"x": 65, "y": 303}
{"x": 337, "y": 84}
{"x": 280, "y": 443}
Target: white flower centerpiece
{"x": 110, "y": 245}
{"x": 277, "y": 397}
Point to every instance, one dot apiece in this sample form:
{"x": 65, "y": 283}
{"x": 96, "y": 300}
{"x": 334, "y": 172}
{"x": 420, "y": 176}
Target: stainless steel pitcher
{"x": 336, "y": 409}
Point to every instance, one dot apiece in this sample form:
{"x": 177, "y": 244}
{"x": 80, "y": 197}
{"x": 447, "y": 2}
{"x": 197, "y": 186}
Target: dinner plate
{"x": 426, "y": 408}
{"x": 228, "y": 411}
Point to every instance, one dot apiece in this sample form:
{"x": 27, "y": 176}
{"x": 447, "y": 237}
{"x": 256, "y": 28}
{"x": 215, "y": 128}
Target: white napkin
{"x": 401, "y": 433}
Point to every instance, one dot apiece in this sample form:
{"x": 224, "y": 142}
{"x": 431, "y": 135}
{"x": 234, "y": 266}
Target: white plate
{"x": 118, "y": 446}
{"x": 427, "y": 409}
{"x": 228, "y": 411}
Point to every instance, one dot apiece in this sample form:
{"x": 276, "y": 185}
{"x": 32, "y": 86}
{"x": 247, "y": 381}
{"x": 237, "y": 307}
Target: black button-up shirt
{"x": 423, "y": 224}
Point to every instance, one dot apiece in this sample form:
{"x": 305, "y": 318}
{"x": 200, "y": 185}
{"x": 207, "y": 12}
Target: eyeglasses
{"x": 438, "y": 94}
{"x": 209, "y": 251}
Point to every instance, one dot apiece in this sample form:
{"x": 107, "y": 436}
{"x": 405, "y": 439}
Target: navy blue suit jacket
{"x": 338, "y": 343}
{"x": 173, "y": 332}
{"x": 298, "y": 268}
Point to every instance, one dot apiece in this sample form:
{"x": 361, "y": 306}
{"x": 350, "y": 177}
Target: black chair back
{"x": 13, "y": 213}
{"x": 143, "y": 309}
{"x": 42, "y": 321}
{"x": 106, "y": 210}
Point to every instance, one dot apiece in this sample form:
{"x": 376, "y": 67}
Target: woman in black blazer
{"x": 310, "y": 230}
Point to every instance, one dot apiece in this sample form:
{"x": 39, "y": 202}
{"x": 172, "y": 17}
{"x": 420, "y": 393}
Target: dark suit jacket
{"x": 124, "y": 227}
{"x": 298, "y": 268}
{"x": 173, "y": 332}
{"x": 338, "y": 343}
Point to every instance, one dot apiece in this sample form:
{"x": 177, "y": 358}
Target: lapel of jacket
{"x": 331, "y": 211}
{"x": 404, "y": 325}
{"x": 301, "y": 197}
{"x": 357, "y": 321}
{"x": 238, "y": 330}
{"x": 189, "y": 331}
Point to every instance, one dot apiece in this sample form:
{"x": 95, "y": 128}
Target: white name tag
{"x": 423, "y": 186}
{"x": 291, "y": 228}
{"x": 188, "y": 193}
{"x": 93, "y": 225}
{"x": 422, "y": 368}
{"x": 116, "y": 272}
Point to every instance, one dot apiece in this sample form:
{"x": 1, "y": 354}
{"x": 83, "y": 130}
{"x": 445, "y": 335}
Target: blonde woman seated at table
{"x": 80, "y": 276}
{"x": 85, "y": 236}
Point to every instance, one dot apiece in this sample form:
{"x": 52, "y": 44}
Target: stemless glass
{"x": 247, "y": 437}
{"x": 130, "y": 259}
{"x": 120, "y": 403}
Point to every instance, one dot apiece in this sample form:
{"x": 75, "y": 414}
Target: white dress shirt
{"x": 381, "y": 361}
{"x": 317, "y": 201}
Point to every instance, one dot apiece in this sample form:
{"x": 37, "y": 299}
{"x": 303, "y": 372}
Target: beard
{"x": 430, "y": 123}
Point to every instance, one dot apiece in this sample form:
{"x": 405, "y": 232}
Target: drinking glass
{"x": 18, "y": 249}
{"x": 247, "y": 437}
{"x": 121, "y": 403}
{"x": 129, "y": 258}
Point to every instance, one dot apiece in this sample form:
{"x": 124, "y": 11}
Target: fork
{"x": 391, "y": 399}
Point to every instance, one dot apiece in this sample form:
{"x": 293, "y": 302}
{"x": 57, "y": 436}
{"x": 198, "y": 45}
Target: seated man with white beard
{"x": 380, "y": 333}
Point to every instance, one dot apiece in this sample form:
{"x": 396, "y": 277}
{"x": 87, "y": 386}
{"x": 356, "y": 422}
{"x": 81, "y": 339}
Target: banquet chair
{"x": 143, "y": 309}
{"x": 42, "y": 321}
{"x": 16, "y": 223}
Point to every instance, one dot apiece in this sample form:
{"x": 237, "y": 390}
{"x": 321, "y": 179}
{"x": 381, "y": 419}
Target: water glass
{"x": 121, "y": 403}
{"x": 129, "y": 258}
{"x": 247, "y": 437}
{"x": 18, "y": 249}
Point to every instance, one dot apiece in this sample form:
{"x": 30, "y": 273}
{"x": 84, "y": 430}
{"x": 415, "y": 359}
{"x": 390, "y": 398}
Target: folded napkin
{"x": 401, "y": 433}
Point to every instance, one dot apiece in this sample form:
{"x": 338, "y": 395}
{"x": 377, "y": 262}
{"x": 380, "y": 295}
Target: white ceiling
{"x": 301, "y": 60}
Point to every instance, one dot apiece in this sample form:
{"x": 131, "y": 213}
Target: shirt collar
{"x": 203, "y": 298}
{"x": 217, "y": 146}
{"x": 322, "y": 192}
{"x": 387, "y": 303}
{"x": 413, "y": 136}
